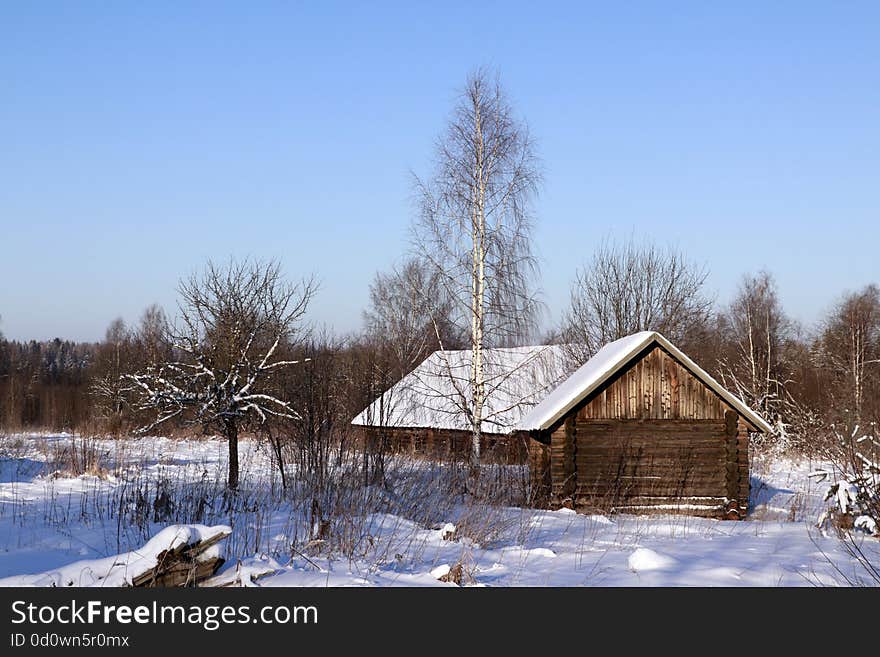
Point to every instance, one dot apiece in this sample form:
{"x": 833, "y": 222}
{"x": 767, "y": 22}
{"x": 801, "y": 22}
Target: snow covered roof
{"x": 526, "y": 387}
{"x": 606, "y": 363}
{"x": 436, "y": 394}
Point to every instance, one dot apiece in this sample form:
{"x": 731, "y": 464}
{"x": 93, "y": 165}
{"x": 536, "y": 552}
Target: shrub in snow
{"x": 852, "y": 504}
{"x": 866, "y": 524}
{"x": 456, "y": 575}
{"x": 447, "y": 532}
{"x": 854, "y": 501}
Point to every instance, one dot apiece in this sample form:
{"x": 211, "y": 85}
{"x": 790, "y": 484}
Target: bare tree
{"x": 474, "y": 230}
{"x": 113, "y": 359}
{"x": 233, "y": 320}
{"x": 850, "y": 344}
{"x": 634, "y": 287}
{"x": 756, "y": 333}
{"x": 151, "y": 334}
{"x": 409, "y": 316}
{"x": 407, "y": 319}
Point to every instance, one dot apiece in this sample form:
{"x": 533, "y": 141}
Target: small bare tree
{"x": 232, "y": 322}
{"x": 850, "y": 347}
{"x": 409, "y": 316}
{"x": 634, "y": 287}
{"x": 756, "y": 333}
{"x": 150, "y": 336}
{"x": 109, "y": 388}
{"x": 474, "y": 231}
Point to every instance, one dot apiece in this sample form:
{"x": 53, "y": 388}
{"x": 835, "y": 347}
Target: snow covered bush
{"x": 850, "y": 506}
{"x": 854, "y": 498}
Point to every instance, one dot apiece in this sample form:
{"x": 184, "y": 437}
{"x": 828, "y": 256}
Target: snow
{"x": 607, "y": 361}
{"x": 434, "y": 394}
{"x": 245, "y": 572}
{"x": 447, "y": 531}
{"x": 866, "y": 524}
{"x": 644, "y": 559}
{"x": 121, "y": 569}
{"x": 440, "y": 571}
{"x": 845, "y": 494}
{"x": 49, "y": 537}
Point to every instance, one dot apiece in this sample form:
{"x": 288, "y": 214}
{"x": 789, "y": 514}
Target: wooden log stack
{"x": 184, "y": 565}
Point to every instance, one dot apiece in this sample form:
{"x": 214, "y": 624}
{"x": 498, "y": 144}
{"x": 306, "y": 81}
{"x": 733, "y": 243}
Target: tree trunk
{"x": 231, "y": 430}
{"x": 275, "y": 442}
{"x": 478, "y": 282}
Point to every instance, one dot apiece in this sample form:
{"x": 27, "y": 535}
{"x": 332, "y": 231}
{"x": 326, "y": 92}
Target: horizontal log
{"x": 649, "y": 451}
{"x": 611, "y": 482}
{"x": 655, "y": 492}
{"x": 656, "y": 422}
{"x": 615, "y": 480}
{"x": 649, "y": 438}
{"x": 659, "y": 469}
{"x": 609, "y": 452}
{"x": 719, "y": 485}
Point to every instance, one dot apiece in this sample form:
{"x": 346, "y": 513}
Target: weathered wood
{"x": 656, "y": 386}
{"x": 628, "y": 464}
{"x": 447, "y": 444}
{"x": 562, "y": 461}
{"x": 540, "y": 477}
{"x": 655, "y": 433}
{"x": 184, "y": 565}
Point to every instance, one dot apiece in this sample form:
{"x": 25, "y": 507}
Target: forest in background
{"x": 809, "y": 381}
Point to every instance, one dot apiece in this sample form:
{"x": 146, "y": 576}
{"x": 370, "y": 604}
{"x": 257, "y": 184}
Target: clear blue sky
{"x": 139, "y": 139}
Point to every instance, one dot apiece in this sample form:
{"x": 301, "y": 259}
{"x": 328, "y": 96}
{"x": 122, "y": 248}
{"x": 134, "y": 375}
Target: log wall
{"x": 654, "y": 438}
{"x": 632, "y": 464}
{"x": 658, "y": 387}
{"x": 447, "y": 445}
{"x": 539, "y": 473}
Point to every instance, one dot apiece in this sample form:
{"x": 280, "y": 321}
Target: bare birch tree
{"x": 756, "y": 332}
{"x": 851, "y": 348}
{"x": 409, "y": 316}
{"x": 233, "y": 323}
{"x": 474, "y": 230}
{"x": 150, "y": 337}
{"x": 634, "y": 287}
{"x": 109, "y": 388}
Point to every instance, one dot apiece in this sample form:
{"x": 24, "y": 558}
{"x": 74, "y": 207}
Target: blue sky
{"x": 139, "y": 139}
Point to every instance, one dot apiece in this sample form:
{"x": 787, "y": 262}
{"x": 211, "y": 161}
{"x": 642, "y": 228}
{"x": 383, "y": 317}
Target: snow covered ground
{"x": 56, "y": 528}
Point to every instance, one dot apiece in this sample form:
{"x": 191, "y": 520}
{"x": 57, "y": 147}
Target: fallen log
{"x": 186, "y": 564}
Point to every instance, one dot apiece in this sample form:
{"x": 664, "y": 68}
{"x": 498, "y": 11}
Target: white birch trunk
{"x": 478, "y": 268}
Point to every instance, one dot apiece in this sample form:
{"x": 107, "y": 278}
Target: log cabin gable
{"x": 652, "y": 385}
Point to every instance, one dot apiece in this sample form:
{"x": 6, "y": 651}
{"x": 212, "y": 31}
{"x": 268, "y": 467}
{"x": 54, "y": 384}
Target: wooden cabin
{"x": 639, "y": 428}
{"x": 422, "y": 414}
{"x": 642, "y": 428}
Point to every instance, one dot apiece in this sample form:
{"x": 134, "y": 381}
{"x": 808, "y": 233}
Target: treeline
{"x": 62, "y": 385}
{"x": 42, "y": 384}
{"x": 82, "y": 387}
{"x": 808, "y": 380}
{"x": 814, "y": 382}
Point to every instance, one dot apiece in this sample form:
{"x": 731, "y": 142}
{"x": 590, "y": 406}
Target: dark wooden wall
{"x": 657, "y": 387}
{"x": 447, "y": 444}
{"x": 655, "y": 438}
